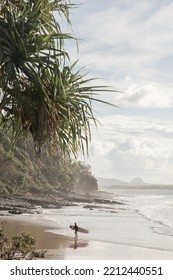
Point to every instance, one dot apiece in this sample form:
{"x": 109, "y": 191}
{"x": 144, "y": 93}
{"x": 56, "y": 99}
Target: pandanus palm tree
{"x": 39, "y": 92}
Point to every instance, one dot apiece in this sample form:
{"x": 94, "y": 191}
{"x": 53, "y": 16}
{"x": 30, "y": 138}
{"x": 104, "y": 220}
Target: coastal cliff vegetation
{"x": 23, "y": 171}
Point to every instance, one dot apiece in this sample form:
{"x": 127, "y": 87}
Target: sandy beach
{"x": 114, "y": 233}
{"x": 61, "y": 247}
{"x": 45, "y": 240}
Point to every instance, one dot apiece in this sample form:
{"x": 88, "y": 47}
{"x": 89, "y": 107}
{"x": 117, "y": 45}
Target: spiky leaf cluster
{"x": 39, "y": 92}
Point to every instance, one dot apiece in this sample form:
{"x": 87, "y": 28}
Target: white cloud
{"x": 142, "y": 94}
{"x": 127, "y": 147}
{"x": 128, "y": 30}
{"x": 129, "y": 39}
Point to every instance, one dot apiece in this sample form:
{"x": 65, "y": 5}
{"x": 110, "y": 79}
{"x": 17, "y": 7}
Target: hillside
{"x": 114, "y": 182}
{"x": 21, "y": 170}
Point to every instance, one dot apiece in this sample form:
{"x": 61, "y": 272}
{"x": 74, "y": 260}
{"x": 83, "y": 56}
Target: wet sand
{"x": 40, "y": 230}
{"x": 139, "y": 243}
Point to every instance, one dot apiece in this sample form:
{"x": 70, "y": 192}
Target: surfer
{"x": 78, "y": 229}
{"x": 75, "y": 229}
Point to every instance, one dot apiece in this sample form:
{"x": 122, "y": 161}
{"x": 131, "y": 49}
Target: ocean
{"x": 154, "y": 204}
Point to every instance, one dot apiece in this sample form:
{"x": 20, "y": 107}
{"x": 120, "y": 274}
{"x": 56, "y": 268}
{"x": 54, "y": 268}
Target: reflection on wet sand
{"x": 78, "y": 244}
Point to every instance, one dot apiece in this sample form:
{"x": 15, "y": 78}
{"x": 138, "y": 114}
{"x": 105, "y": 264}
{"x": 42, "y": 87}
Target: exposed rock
{"x": 33, "y": 204}
{"x": 105, "y": 201}
{"x": 25, "y": 211}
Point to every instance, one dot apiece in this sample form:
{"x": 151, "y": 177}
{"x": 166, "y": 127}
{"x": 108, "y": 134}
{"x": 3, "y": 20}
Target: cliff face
{"x": 84, "y": 180}
{"x": 21, "y": 170}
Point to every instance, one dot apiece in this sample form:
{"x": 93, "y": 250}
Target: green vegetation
{"x": 41, "y": 92}
{"x": 20, "y": 247}
{"x": 22, "y": 171}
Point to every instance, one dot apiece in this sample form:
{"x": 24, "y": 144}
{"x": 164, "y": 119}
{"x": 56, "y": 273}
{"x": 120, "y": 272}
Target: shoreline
{"x": 61, "y": 247}
{"x": 131, "y": 235}
{"x": 21, "y": 213}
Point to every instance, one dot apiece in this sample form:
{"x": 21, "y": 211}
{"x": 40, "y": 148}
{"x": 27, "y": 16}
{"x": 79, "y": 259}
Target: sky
{"x": 128, "y": 44}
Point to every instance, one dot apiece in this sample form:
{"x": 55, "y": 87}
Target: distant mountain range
{"x": 114, "y": 182}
